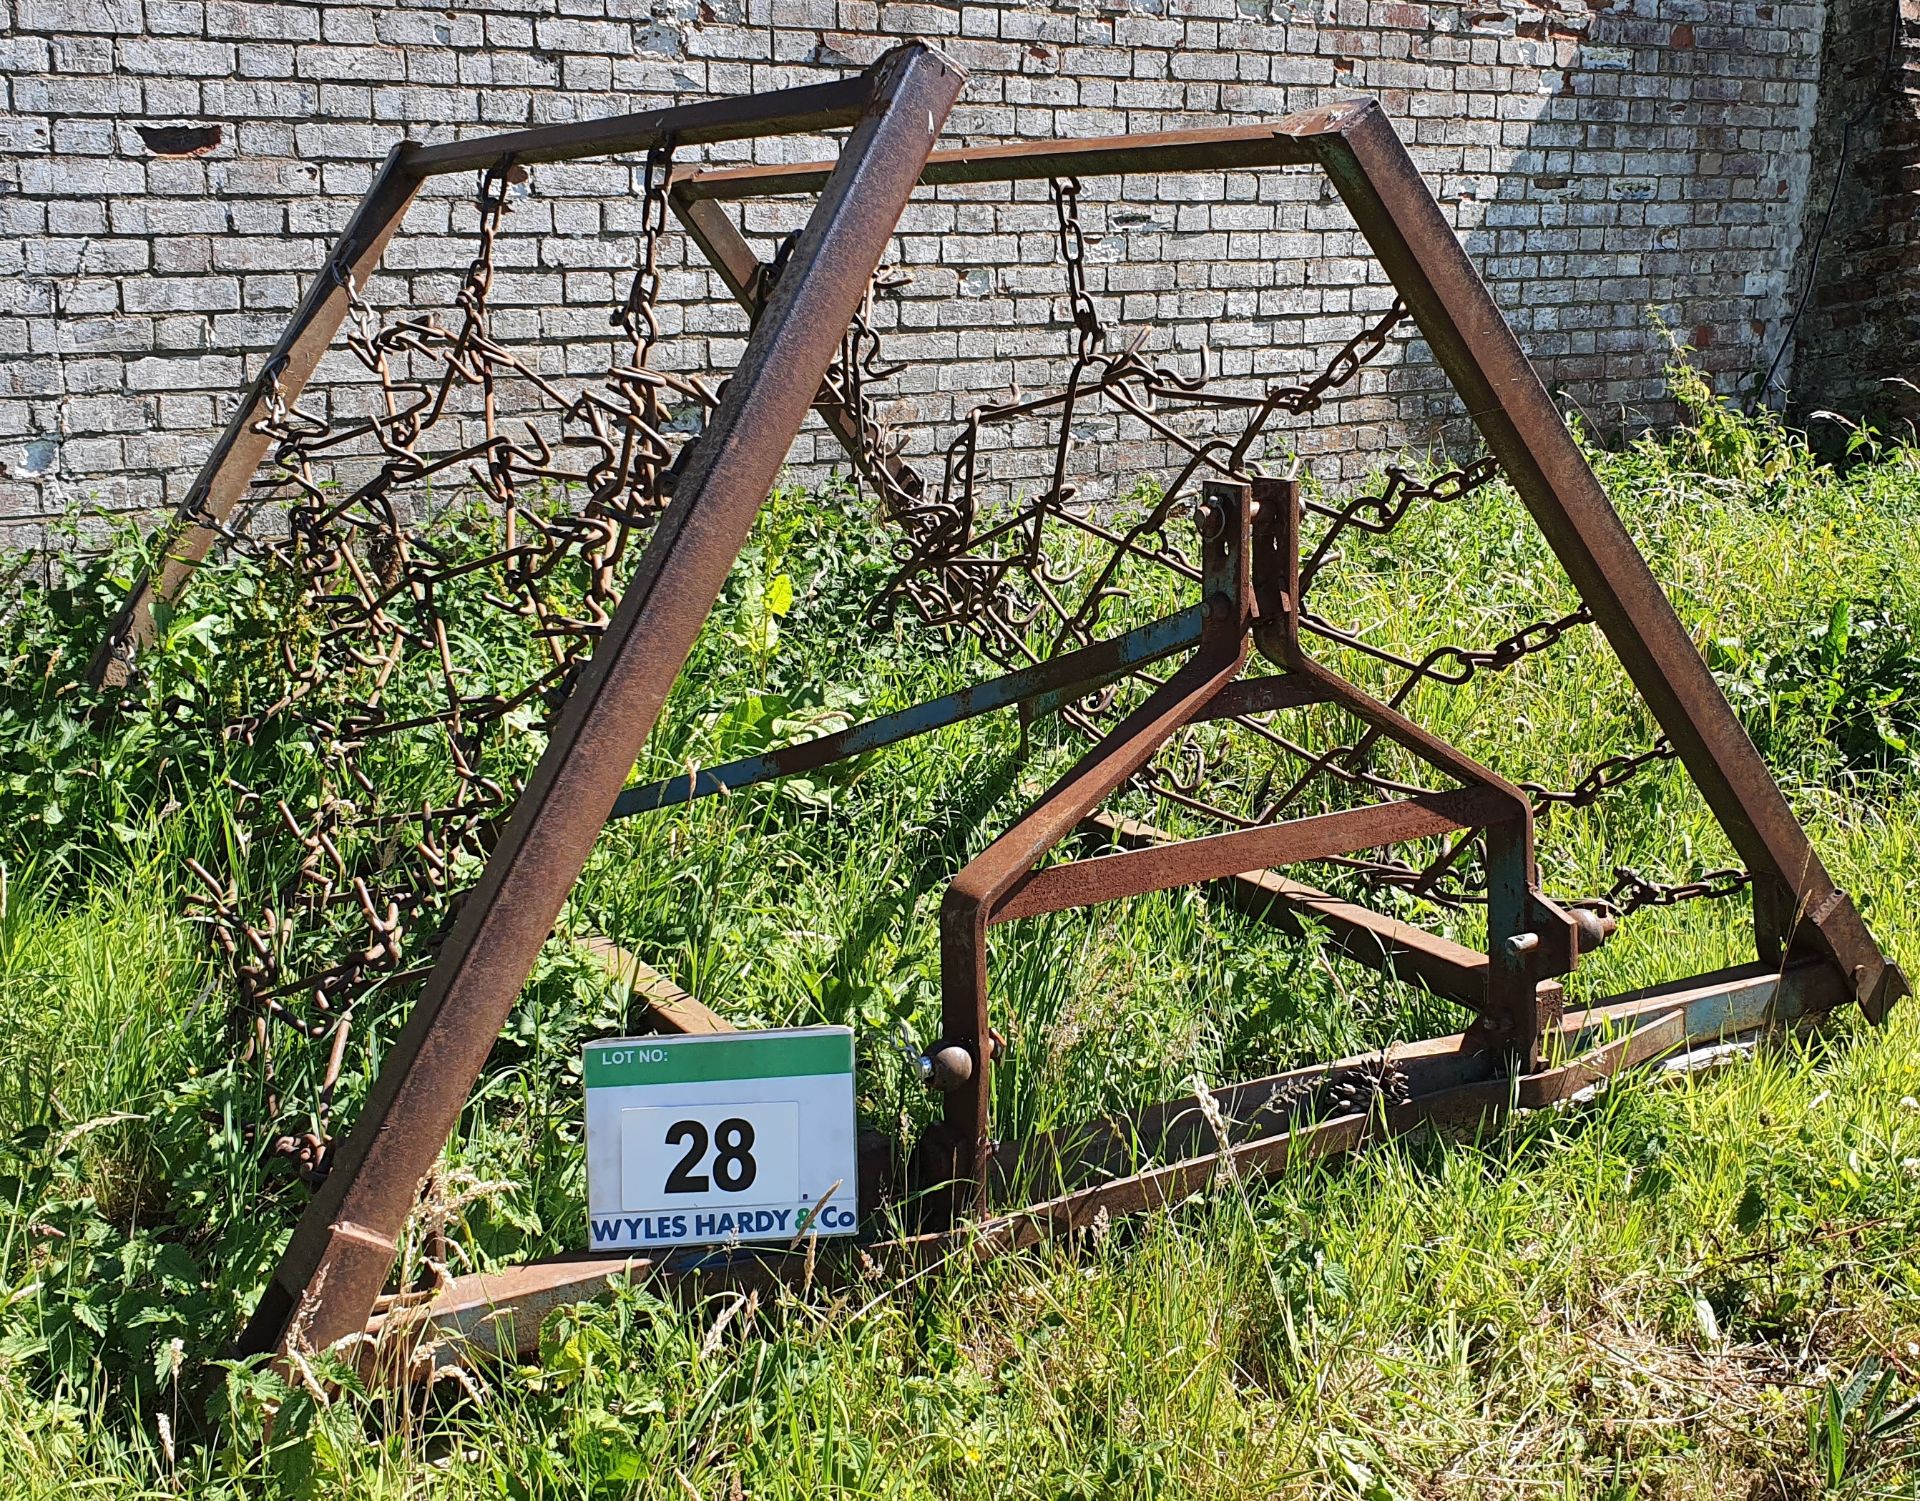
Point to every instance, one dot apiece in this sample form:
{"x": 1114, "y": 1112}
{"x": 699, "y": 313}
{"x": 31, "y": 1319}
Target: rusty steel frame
{"x": 331, "y": 1273}
{"x": 1250, "y": 563}
{"x": 1814, "y": 952}
{"x": 1798, "y": 911}
{"x": 1796, "y": 904}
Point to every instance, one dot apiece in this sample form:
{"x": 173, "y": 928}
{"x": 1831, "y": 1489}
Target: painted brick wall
{"x": 1598, "y": 159}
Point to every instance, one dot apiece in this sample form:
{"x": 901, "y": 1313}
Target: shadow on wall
{"x": 1645, "y": 161}
{"x": 1858, "y": 291}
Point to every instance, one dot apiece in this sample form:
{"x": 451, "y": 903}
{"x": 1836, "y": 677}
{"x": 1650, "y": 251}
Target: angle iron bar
{"x": 668, "y": 1007}
{"x": 1727, "y": 1003}
{"x": 334, "y": 1266}
{"x": 804, "y": 110}
{"x": 1474, "y": 345}
{"x": 1395, "y": 948}
{"x": 1055, "y": 681}
{"x": 1267, "y": 1156}
{"x": 728, "y": 252}
{"x": 1285, "y": 143}
{"x": 958, "y": 1146}
{"x": 184, "y": 540}
{"x": 1217, "y": 856}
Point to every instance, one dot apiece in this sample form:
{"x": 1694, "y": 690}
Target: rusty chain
{"x": 1632, "y": 891}
{"x": 999, "y": 578}
{"x": 420, "y": 727}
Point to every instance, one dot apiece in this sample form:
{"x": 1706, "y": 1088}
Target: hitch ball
{"x": 947, "y": 1068}
{"x": 1595, "y": 927}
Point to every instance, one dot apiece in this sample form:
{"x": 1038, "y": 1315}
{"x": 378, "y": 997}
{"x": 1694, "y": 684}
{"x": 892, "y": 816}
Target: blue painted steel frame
{"x": 1045, "y": 686}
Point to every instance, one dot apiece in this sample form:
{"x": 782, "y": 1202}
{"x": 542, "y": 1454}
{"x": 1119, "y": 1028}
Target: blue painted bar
{"x": 1059, "y": 679}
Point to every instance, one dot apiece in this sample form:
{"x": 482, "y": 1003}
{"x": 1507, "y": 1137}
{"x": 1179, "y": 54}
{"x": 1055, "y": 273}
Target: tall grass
{"x": 1669, "y": 1291}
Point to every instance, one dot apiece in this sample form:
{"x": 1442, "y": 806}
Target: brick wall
{"x": 1854, "y": 345}
{"x": 172, "y": 170}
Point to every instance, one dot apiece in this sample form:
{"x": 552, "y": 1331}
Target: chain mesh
{"x": 403, "y": 670}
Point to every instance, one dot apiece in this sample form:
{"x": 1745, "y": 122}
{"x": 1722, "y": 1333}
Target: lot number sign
{"x": 702, "y": 1140}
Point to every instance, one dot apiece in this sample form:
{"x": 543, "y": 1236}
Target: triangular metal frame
{"x": 330, "y": 1276}
{"x": 1809, "y": 937}
{"x": 1813, "y": 950}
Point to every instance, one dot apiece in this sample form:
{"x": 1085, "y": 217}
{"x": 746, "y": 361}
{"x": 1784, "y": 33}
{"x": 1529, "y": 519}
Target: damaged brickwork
{"x": 171, "y": 172}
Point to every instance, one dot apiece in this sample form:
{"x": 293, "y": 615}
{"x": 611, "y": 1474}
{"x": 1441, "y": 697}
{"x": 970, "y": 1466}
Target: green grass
{"x": 1696, "y": 1285}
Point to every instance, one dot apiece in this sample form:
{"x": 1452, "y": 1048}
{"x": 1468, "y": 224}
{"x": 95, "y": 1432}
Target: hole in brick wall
{"x": 180, "y": 140}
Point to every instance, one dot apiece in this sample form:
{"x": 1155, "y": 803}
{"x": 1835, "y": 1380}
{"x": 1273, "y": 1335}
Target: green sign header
{"x": 729, "y": 1055}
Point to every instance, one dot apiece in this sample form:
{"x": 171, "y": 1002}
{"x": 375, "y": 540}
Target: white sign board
{"x": 736, "y": 1136}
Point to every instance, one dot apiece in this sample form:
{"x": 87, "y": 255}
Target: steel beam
{"x": 1266, "y": 1156}
{"x": 341, "y": 1251}
{"x": 499, "y": 1313}
{"x": 1397, "y": 949}
{"x": 1795, "y": 900}
{"x": 669, "y": 1008}
{"x": 813, "y": 107}
{"x": 957, "y": 1148}
{"x": 727, "y": 250}
{"x": 1286, "y": 143}
{"x": 1193, "y": 861}
{"x": 1062, "y": 678}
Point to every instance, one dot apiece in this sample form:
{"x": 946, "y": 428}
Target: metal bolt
{"x": 1521, "y": 944}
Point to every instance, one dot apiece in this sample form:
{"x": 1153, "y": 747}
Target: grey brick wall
{"x": 1598, "y": 160}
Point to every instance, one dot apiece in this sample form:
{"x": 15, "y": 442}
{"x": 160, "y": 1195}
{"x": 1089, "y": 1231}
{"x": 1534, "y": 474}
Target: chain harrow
{"x": 420, "y": 737}
{"x": 421, "y": 725}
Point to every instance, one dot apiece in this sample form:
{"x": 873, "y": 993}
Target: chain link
{"x": 343, "y": 878}
{"x": 1089, "y": 334}
{"x": 1603, "y": 778}
{"x": 1632, "y": 891}
{"x": 639, "y": 314}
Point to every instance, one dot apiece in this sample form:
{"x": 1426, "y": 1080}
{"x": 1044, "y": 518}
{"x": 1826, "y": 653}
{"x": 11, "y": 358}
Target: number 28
{"x": 733, "y": 1164}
